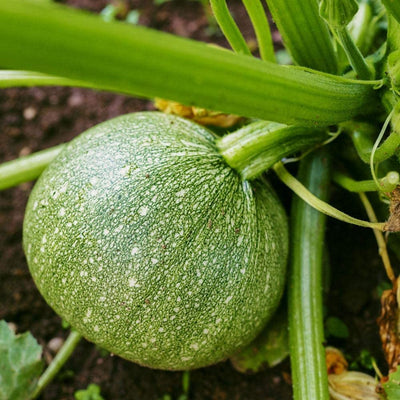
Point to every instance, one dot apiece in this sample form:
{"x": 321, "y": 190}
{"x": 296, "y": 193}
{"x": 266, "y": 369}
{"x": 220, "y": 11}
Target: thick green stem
{"x": 354, "y": 55}
{"x": 317, "y": 203}
{"x": 256, "y": 147}
{"x": 134, "y": 60}
{"x": 27, "y": 168}
{"x": 28, "y": 78}
{"x": 59, "y": 360}
{"x": 304, "y": 33}
{"x": 229, "y": 27}
{"x": 306, "y": 334}
{"x": 261, "y": 27}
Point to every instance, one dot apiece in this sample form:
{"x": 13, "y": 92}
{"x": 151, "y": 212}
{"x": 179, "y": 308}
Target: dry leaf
{"x": 388, "y": 327}
{"x": 197, "y": 114}
{"x": 393, "y": 223}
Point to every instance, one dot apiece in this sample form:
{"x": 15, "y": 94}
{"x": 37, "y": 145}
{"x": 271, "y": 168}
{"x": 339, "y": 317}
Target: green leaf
{"x": 393, "y": 7}
{"x": 20, "y": 364}
{"x": 336, "y": 327}
{"x": 392, "y": 386}
{"x": 91, "y": 393}
{"x": 269, "y": 348}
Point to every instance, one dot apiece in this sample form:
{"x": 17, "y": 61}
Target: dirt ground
{"x": 37, "y": 118}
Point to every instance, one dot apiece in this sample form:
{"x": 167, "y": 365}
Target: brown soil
{"x": 37, "y": 118}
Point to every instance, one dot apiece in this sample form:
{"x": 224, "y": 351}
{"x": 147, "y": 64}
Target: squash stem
{"x": 58, "y": 361}
{"x": 27, "y": 168}
{"x": 306, "y": 335}
{"x": 12, "y": 78}
{"x": 256, "y": 147}
{"x": 319, "y": 204}
{"x": 144, "y": 62}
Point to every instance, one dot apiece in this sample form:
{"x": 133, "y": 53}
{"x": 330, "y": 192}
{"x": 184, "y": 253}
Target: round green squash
{"x": 143, "y": 239}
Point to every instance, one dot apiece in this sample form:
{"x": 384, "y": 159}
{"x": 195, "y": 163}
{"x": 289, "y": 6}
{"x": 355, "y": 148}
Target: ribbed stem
{"x": 27, "y": 78}
{"x": 306, "y": 335}
{"x": 135, "y": 60}
{"x": 256, "y": 147}
{"x": 27, "y": 168}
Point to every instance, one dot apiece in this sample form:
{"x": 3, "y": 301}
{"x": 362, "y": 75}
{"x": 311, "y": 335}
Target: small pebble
{"x": 55, "y": 344}
{"x": 25, "y": 151}
{"x": 30, "y": 113}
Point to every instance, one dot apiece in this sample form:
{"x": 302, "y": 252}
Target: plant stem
{"x": 379, "y": 239}
{"x": 134, "y": 60}
{"x": 363, "y": 143}
{"x": 317, "y": 203}
{"x": 261, "y": 27}
{"x": 354, "y": 55}
{"x": 304, "y": 33}
{"x": 306, "y": 335}
{"x": 229, "y": 27}
{"x": 256, "y": 147}
{"x": 386, "y": 184}
{"x": 28, "y": 78}
{"x": 27, "y": 168}
{"x": 58, "y": 361}
{"x": 372, "y": 160}
{"x": 353, "y": 186}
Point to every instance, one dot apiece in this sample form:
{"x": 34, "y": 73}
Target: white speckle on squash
{"x": 61, "y": 213}
{"x": 133, "y": 283}
{"x": 181, "y": 193}
{"x": 228, "y": 299}
{"x": 143, "y": 210}
{"x": 134, "y": 251}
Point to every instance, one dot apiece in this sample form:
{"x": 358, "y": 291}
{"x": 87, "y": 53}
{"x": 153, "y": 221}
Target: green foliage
{"x": 20, "y": 364}
{"x": 91, "y": 393}
{"x": 336, "y": 327}
{"x": 392, "y": 386}
{"x": 338, "y": 12}
{"x": 268, "y": 349}
{"x": 364, "y": 361}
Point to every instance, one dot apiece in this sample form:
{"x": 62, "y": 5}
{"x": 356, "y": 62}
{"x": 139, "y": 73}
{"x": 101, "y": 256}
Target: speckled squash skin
{"x": 149, "y": 245}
